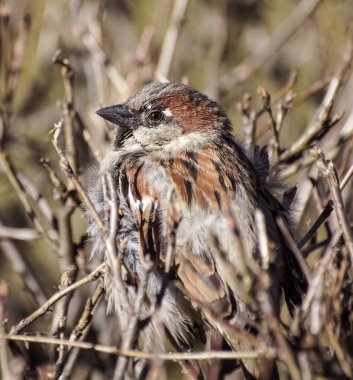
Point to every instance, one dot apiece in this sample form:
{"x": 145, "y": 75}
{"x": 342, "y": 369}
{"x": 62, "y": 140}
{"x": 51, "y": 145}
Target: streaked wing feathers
{"x": 198, "y": 189}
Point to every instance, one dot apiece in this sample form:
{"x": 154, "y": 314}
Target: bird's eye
{"x": 155, "y": 116}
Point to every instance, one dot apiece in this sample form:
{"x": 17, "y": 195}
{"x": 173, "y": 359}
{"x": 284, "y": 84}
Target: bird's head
{"x": 166, "y": 117}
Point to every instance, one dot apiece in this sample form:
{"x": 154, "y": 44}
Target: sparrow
{"x": 188, "y": 193}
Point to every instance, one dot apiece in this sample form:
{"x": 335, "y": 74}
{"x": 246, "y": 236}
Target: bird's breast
{"x": 199, "y": 181}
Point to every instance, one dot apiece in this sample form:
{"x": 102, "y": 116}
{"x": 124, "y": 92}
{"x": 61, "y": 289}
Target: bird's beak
{"x": 118, "y": 115}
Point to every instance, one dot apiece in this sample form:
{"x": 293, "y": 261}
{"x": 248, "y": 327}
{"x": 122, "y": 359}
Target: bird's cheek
{"x": 144, "y": 135}
{"x": 158, "y": 135}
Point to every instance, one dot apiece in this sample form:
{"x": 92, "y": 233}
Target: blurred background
{"x": 225, "y": 48}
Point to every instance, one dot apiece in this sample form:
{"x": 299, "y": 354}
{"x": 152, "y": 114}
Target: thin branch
{"x": 5, "y": 369}
{"x": 346, "y": 178}
{"x": 93, "y": 276}
{"x": 132, "y": 328}
{"x": 294, "y": 248}
{"x": 15, "y": 66}
{"x": 67, "y": 169}
{"x": 5, "y": 44}
{"x": 68, "y": 110}
{"x": 21, "y": 266}
{"x": 250, "y": 119}
{"x": 100, "y": 57}
{"x": 168, "y": 48}
{"x": 87, "y": 136}
{"x": 266, "y": 51}
{"x": 326, "y": 212}
{"x": 266, "y": 303}
{"x": 204, "y": 355}
{"x": 263, "y": 240}
{"x": 81, "y": 330}
{"x": 25, "y": 198}
{"x": 114, "y": 254}
{"x": 266, "y": 101}
{"x": 327, "y": 170}
{"x": 322, "y": 121}
{"x": 219, "y": 40}
{"x": 41, "y": 203}
{"x": 67, "y": 264}
{"x": 344, "y": 361}
{"x": 317, "y": 276}
{"x": 14, "y": 233}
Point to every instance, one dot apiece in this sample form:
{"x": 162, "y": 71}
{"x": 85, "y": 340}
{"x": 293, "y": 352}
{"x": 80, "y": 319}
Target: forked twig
{"x": 93, "y": 276}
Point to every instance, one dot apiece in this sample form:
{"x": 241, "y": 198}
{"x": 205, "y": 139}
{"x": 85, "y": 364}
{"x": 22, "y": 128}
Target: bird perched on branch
{"x": 188, "y": 195}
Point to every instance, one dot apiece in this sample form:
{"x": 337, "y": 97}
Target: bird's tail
{"x": 256, "y": 363}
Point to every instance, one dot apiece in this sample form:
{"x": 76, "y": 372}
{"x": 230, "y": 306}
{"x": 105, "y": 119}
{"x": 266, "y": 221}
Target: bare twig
{"x": 285, "y": 31}
{"x": 204, "y": 355}
{"x": 68, "y": 264}
{"x": 25, "y": 198}
{"x": 41, "y": 203}
{"x": 317, "y": 276}
{"x": 327, "y": 170}
{"x": 171, "y": 36}
{"x": 65, "y": 367}
{"x": 5, "y": 44}
{"x": 17, "y": 59}
{"x": 326, "y": 212}
{"x": 20, "y": 265}
{"x": 113, "y": 252}
{"x": 132, "y": 328}
{"x": 266, "y": 303}
{"x": 322, "y": 121}
{"x": 266, "y": 101}
{"x": 68, "y": 110}
{"x": 346, "y": 178}
{"x": 345, "y": 363}
{"x": 86, "y": 134}
{"x": 250, "y": 119}
{"x": 100, "y": 57}
{"x": 294, "y": 248}
{"x": 219, "y": 40}
{"x": 93, "y": 276}
{"x": 18, "y": 233}
{"x": 66, "y": 167}
{"x": 4, "y": 360}
{"x": 263, "y": 240}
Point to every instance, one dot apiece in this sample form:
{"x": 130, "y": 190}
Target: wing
{"x": 199, "y": 191}
{"x": 203, "y": 189}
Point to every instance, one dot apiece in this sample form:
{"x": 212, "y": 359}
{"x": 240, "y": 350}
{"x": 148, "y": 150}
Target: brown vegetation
{"x": 53, "y": 320}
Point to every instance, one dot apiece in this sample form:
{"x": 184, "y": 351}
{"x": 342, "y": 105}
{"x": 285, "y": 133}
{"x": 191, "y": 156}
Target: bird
{"x": 188, "y": 194}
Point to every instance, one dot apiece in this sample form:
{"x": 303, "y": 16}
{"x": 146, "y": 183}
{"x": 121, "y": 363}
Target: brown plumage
{"x": 175, "y": 146}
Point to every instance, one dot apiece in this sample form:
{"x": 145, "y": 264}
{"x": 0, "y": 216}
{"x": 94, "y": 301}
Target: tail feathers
{"x": 295, "y": 284}
{"x": 261, "y": 368}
